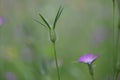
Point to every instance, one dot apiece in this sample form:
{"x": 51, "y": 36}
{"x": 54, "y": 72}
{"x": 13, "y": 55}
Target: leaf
{"x": 45, "y": 21}
{"x": 39, "y": 22}
{"x": 57, "y": 16}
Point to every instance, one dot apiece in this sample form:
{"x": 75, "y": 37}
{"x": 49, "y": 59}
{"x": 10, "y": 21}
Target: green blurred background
{"x": 85, "y": 26}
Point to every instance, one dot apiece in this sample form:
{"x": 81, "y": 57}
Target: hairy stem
{"x": 117, "y": 68}
{"x": 2, "y": 77}
{"x": 56, "y": 61}
{"x": 113, "y": 1}
{"x": 91, "y": 71}
{"x": 117, "y": 45}
{"x": 113, "y": 21}
{"x": 116, "y": 75}
{"x": 116, "y": 71}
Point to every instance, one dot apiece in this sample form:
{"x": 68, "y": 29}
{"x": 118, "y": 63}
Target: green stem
{"x": 117, "y": 44}
{"x": 118, "y": 58}
{"x": 2, "y": 77}
{"x": 113, "y": 33}
{"x": 113, "y": 20}
{"x": 91, "y": 71}
{"x": 116, "y": 72}
{"x": 116, "y": 75}
{"x": 117, "y": 68}
{"x": 56, "y": 61}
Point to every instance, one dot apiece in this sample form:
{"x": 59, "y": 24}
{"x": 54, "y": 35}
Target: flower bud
{"x": 52, "y": 35}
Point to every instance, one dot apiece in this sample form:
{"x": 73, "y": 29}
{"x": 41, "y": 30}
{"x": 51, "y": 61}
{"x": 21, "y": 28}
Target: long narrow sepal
{"x": 45, "y": 21}
{"x": 57, "y": 16}
{"x": 39, "y": 22}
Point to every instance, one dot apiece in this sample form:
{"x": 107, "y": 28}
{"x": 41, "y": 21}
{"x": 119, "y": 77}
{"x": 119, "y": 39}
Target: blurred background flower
{"x": 1, "y": 20}
{"x": 10, "y": 76}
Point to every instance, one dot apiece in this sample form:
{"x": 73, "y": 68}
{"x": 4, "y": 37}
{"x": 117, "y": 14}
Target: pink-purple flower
{"x": 88, "y": 58}
{"x": 1, "y": 21}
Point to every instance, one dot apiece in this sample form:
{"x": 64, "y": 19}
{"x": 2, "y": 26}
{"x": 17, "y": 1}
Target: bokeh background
{"x": 85, "y": 26}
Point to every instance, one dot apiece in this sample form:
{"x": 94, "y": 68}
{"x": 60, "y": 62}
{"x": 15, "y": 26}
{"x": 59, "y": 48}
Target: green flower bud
{"x": 52, "y": 35}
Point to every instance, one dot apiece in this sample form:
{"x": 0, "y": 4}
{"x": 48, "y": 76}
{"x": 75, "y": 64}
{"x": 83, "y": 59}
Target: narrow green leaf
{"x": 57, "y": 16}
{"x": 45, "y": 21}
{"x": 39, "y": 22}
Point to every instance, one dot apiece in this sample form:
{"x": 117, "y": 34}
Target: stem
{"x": 117, "y": 68}
{"x": 116, "y": 75}
{"x": 117, "y": 51}
{"x": 91, "y": 71}
{"x": 2, "y": 77}
{"x": 116, "y": 72}
{"x": 113, "y": 16}
{"x": 113, "y": 20}
{"x": 113, "y": 1}
{"x": 117, "y": 45}
{"x": 56, "y": 61}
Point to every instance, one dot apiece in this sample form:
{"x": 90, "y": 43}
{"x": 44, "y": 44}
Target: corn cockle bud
{"x": 52, "y": 35}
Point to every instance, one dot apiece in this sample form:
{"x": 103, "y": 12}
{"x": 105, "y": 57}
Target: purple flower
{"x": 1, "y": 20}
{"x": 88, "y": 58}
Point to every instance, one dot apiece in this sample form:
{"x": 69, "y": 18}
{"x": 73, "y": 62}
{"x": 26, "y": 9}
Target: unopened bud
{"x": 52, "y": 35}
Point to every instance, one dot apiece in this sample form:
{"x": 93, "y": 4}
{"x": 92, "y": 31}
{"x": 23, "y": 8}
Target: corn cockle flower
{"x": 88, "y": 58}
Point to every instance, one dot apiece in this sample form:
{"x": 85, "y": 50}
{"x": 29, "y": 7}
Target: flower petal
{"x": 88, "y": 58}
